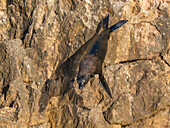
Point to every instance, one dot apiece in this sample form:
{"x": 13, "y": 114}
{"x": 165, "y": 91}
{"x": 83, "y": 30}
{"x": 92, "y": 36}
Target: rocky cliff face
{"x": 36, "y": 36}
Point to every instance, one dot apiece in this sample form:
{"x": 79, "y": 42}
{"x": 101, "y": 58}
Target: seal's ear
{"x": 106, "y": 21}
{"x": 118, "y": 25}
{"x": 103, "y": 83}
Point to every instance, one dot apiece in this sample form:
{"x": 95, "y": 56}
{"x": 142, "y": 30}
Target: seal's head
{"x": 82, "y": 81}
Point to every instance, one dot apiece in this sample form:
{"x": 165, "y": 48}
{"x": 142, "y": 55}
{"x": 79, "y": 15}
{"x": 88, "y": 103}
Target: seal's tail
{"x": 118, "y": 25}
{"x": 103, "y": 83}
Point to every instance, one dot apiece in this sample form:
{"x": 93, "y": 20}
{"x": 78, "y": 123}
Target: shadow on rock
{"x": 61, "y": 81}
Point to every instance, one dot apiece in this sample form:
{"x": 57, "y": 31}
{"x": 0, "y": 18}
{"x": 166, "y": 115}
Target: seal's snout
{"x": 81, "y": 81}
{"x": 81, "y": 85}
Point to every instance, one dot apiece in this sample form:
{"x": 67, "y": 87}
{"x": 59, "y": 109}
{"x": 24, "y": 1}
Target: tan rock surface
{"x": 38, "y": 36}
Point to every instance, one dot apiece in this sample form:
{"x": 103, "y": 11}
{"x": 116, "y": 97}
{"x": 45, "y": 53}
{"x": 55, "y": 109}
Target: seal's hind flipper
{"x": 106, "y": 21}
{"x": 103, "y": 83}
{"x": 99, "y": 26}
{"x": 103, "y": 23}
{"x": 118, "y": 25}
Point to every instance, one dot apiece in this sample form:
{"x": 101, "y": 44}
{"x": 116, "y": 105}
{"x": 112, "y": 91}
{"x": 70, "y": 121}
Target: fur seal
{"x": 92, "y": 62}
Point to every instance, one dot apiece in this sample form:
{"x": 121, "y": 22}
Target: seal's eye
{"x": 80, "y": 78}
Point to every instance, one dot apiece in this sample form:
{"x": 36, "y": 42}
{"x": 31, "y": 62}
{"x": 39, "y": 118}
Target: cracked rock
{"x": 37, "y": 37}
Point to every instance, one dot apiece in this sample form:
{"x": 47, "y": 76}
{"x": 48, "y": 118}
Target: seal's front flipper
{"x": 118, "y": 25}
{"x": 103, "y": 83}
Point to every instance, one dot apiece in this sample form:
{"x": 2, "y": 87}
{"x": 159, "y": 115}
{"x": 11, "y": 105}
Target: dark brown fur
{"x": 92, "y": 62}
